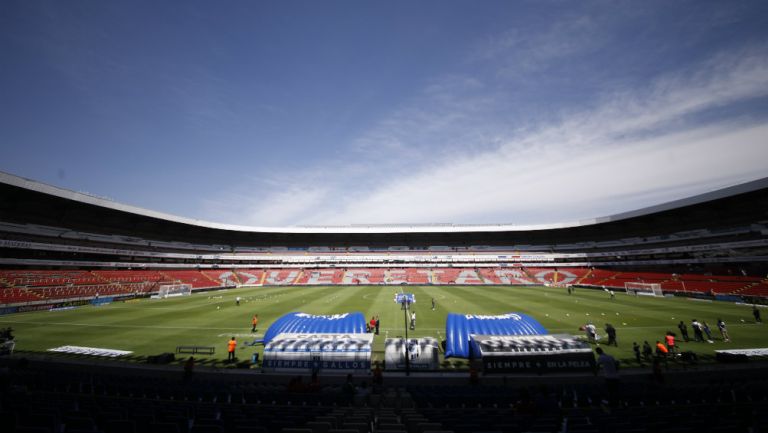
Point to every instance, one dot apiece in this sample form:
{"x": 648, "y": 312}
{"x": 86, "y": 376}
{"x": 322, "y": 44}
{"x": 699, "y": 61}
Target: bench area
{"x": 193, "y": 350}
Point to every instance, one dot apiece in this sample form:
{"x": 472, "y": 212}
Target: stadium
{"x": 119, "y": 298}
{"x": 383, "y": 217}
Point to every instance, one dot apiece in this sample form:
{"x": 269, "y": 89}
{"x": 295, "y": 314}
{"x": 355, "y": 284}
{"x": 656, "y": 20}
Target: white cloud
{"x": 524, "y": 51}
{"x": 287, "y": 203}
{"x": 637, "y": 148}
{"x": 556, "y": 187}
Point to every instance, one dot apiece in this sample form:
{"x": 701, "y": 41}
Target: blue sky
{"x": 349, "y": 112}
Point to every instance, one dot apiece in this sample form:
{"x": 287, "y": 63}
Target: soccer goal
{"x": 169, "y": 290}
{"x": 646, "y": 289}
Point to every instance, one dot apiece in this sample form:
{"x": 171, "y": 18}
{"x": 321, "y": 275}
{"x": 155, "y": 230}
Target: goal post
{"x": 170, "y": 290}
{"x": 647, "y": 289}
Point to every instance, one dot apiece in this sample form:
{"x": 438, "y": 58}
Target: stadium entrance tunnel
{"x": 304, "y": 343}
{"x": 460, "y": 327}
{"x": 303, "y": 323}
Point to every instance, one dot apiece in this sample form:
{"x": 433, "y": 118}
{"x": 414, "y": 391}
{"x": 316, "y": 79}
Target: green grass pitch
{"x": 149, "y": 327}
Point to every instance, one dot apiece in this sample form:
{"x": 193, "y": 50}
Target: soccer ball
{"x": 218, "y": 307}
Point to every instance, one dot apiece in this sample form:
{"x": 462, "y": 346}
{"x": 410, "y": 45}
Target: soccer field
{"x": 149, "y": 327}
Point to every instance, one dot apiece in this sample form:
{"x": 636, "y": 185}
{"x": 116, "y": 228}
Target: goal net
{"x": 169, "y": 290}
{"x": 648, "y": 289}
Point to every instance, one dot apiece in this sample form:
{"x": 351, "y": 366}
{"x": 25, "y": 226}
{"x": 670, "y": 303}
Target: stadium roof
{"x": 33, "y": 186}
{"x": 24, "y": 201}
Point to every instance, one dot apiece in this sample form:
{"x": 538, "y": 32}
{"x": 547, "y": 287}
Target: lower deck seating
{"x": 20, "y": 286}
{"x": 194, "y": 278}
{"x": 12, "y": 295}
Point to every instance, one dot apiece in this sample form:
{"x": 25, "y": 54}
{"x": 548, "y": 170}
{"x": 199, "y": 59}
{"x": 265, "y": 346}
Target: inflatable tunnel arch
{"x": 303, "y": 323}
{"x": 459, "y": 328}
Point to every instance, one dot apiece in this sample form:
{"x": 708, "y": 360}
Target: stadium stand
{"x": 416, "y": 276}
{"x": 194, "y": 278}
{"x": 38, "y": 278}
{"x": 755, "y": 289}
{"x": 59, "y": 399}
{"x": 365, "y": 276}
{"x": 22, "y": 286}
{"x": 16, "y": 295}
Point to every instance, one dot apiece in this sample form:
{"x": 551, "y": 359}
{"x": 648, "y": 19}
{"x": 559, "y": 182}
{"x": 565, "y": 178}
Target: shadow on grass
{"x": 450, "y": 365}
{"x": 178, "y": 360}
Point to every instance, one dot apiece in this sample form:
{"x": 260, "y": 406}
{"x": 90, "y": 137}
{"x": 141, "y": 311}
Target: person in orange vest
{"x": 661, "y": 349}
{"x": 231, "y": 345}
{"x": 670, "y": 340}
{"x": 254, "y": 322}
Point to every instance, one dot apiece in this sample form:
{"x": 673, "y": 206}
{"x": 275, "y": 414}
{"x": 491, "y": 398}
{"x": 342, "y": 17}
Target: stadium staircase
{"x": 12, "y": 295}
{"x": 211, "y": 279}
{"x": 668, "y": 280}
{"x": 756, "y": 288}
{"x": 528, "y": 274}
{"x": 745, "y": 288}
{"x": 480, "y": 276}
{"x": 100, "y": 278}
{"x": 609, "y": 279}
{"x": 194, "y": 278}
{"x": 584, "y": 277}
{"x": 298, "y": 277}
{"x": 239, "y": 281}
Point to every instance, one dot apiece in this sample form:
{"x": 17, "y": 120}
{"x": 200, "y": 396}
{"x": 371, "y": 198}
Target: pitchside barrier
{"x": 193, "y": 350}
{"x": 532, "y": 353}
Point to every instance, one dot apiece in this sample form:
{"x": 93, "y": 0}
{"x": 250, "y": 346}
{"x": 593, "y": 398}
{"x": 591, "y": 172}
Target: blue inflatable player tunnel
{"x": 303, "y": 323}
{"x": 459, "y": 327}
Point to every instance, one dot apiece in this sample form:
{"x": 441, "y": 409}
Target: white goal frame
{"x": 170, "y": 290}
{"x": 646, "y": 289}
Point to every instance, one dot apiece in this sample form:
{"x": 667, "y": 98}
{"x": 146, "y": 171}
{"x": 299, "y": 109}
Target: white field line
{"x": 18, "y": 322}
{"x": 240, "y": 335}
{"x": 102, "y": 325}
